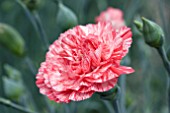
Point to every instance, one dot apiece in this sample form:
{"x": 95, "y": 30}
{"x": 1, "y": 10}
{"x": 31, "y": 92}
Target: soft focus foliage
{"x": 145, "y": 89}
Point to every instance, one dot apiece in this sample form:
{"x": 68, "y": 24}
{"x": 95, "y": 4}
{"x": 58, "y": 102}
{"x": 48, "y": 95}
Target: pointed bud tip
{"x": 152, "y": 33}
{"x": 144, "y": 19}
{"x": 138, "y": 25}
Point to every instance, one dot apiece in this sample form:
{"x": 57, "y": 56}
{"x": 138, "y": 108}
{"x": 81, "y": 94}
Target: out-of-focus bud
{"x": 112, "y": 94}
{"x": 12, "y": 40}
{"x": 12, "y": 88}
{"x": 13, "y": 85}
{"x": 7, "y": 6}
{"x": 12, "y": 73}
{"x": 168, "y": 54}
{"x": 152, "y": 33}
{"x": 32, "y": 4}
{"x": 66, "y": 18}
{"x": 139, "y": 25}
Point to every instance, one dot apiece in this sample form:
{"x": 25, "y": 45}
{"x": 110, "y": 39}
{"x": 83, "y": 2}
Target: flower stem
{"x": 30, "y": 64}
{"x": 28, "y": 14}
{"x": 66, "y": 108}
{"x": 36, "y": 22}
{"x": 122, "y": 95}
{"x": 109, "y": 106}
{"x": 169, "y": 93}
{"x": 41, "y": 29}
{"x": 8, "y": 103}
{"x": 162, "y": 53}
{"x": 116, "y": 106}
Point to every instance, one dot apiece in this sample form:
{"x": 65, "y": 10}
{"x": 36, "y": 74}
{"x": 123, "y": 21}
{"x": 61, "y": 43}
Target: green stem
{"x": 66, "y": 108}
{"x": 122, "y": 95}
{"x": 8, "y": 103}
{"x": 116, "y": 106}
{"x": 30, "y": 64}
{"x": 109, "y": 106}
{"x": 162, "y": 53}
{"x": 112, "y": 96}
{"x": 28, "y": 14}
{"x": 169, "y": 92}
{"x": 36, "y": 22}
{"x": 41, "y": 29}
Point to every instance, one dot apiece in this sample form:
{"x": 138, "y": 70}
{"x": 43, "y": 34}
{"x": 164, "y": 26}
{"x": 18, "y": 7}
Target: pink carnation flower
{"x": 113, "y": 15}
{"x": 84, "y": 60}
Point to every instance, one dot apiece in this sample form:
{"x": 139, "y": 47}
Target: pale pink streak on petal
{"x": 84, "y": 60}
{"x": 105, "y": 86}
{"x": 77, "y": 96}
{"x": 122, "y": 70}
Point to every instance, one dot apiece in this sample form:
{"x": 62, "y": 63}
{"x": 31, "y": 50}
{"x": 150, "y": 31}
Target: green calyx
{"x": 152, "y": 33}
{"x": 112, "y": 94}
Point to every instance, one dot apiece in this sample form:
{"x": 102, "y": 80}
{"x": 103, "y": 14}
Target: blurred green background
{"x": 145, "y": 90}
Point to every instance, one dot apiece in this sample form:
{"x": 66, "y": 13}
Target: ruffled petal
{"x": 105, "y": 86}
{"x": 77, "y": 96}
{"x": 122, "y": 70}
{"x": 84, "y": 60}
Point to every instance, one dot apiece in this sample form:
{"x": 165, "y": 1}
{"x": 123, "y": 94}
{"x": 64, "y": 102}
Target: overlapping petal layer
{"x": 84, "y": 60}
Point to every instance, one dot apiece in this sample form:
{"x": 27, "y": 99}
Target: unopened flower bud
{"x": 139, "y": 25}
{"x": 112, "y": 94}
{"x": 66, "y": 18}
{"x": 153, "y": 33}
{"x": 32, "y": 4}
{"x": 13, "y": 89}
{"x": 11, "y": 39}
